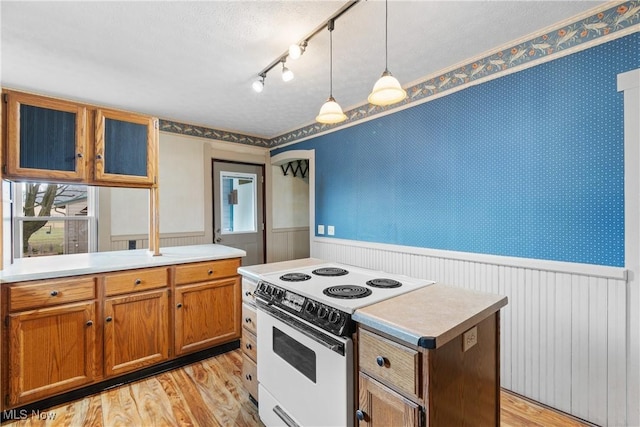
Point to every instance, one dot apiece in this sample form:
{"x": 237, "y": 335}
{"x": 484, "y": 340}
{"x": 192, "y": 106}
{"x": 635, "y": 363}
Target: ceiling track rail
{"x": 348, "y": 5}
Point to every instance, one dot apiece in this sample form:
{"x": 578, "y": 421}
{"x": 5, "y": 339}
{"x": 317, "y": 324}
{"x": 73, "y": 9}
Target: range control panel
{"x": 328, "y": 318}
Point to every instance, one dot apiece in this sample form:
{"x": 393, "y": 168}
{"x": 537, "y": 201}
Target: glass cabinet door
{"x": 46, "y": 138}
{"x": 125, "y": 148}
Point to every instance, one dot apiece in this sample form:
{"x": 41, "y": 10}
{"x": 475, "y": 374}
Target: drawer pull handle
{"x": 98, "y": 156}
{"x": 210, "y": 272}
{"x": 79, "y": 155}
{"x": 381, "y": 361}
{"x": 248, "y": 377}
{"x": 248, "y": 346}
{"x": 360, "y": 415}
{"x": 179, "y": 305}
{"x": 137, "y": 282}
{"x": 54, "y": 293}
{"x": 247, "y": 320}
{"x": 90, "y": 323}
{"x": 108, "y": 319}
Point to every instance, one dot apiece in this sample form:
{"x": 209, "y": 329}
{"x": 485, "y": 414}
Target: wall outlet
{"x": 469, "y": 338}
{"x": 320, "y": 229}
{"x": 132, "y": 244}
{"x": 331, "y": 230}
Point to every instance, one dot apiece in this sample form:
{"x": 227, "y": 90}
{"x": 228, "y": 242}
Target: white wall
{"x": 290, "y": 199}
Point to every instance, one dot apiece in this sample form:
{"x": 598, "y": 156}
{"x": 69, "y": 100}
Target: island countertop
{"x": 431, "y": 316}
{"x": 49, "y": 267}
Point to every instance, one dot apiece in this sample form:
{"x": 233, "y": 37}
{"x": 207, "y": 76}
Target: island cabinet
{"x": 136, "y": 320}
{"x": 430, "y": 358}
{"x": 249, "y": 342}
{"x": 64, "y": 141}
{"x": 207, "y": 305}
{"x": 51, "y": 331}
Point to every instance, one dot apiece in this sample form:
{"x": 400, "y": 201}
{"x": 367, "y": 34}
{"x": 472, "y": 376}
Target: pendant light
{"x": 387, "y": 89}
{"x": 331, "y": 112}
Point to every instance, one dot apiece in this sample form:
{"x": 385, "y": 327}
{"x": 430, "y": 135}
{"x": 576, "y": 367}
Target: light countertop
{"x": 49, "y": 267}
{"x": 255, "y": 271}
{"x": 431, "y": 316}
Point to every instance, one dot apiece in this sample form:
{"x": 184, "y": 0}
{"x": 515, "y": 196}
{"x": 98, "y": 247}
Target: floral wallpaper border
{"x": 622, "y": 16}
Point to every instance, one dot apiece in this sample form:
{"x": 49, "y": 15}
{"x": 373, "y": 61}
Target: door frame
{"x": 286, "y": 157}
{"x": 263, "y": 207}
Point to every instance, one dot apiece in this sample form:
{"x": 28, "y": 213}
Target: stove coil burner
{"x": 295, "y": 277}
{"x": 347, "y": 291}
{"x": 330, "y": 271}
{"x": 384, "y": 283}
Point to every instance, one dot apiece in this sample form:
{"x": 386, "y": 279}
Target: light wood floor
{"x": 210, "y": 393}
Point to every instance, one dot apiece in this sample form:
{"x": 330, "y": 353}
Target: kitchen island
{"x": 74, "y": 324}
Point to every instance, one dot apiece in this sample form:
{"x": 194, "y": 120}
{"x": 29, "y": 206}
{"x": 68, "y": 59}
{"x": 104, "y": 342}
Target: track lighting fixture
{"x": 258, "y": 85}
{"x": 287, "y": 74}
{"x": 331, "y": 112}
{"x": 387, "y": 89}
{"x": 296, "y": 50}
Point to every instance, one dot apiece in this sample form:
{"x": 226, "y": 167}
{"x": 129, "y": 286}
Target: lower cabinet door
{"x": 207, "y": 314}
{"x": 51, "y": 350}
{"x": 382, "y": 407}
{"x": 136, "y": 331}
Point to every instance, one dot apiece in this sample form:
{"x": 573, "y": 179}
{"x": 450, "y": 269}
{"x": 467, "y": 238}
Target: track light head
{"x": 287, "y": 74}
{"x": 296, "y": 50}
{"x": 258, "y": 85}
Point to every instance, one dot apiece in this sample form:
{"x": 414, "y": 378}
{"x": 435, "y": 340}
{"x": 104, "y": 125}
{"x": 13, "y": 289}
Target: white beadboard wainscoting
{"x": 563, "y": 333}
{"x": 288, "y": 243}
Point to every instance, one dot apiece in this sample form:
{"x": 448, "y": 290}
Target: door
{"x": 136, "y": 331}
{"x": 51, "y": 350}
{"x": 382, "y": 407}
{"x": 238, "y": 208}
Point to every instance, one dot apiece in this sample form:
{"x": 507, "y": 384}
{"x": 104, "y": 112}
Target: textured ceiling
{"x": 194, "y": 61}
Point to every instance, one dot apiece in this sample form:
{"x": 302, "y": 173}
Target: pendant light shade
{"x": 331, "y": 112}
{"x": 387, "y": 89}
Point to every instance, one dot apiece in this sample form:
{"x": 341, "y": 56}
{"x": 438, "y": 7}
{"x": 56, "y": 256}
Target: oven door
{"x": 305, "y": 374}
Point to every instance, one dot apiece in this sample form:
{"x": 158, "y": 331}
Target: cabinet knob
{"x": 380, "y": 361}
{"x": 137, "y": 282}
{"x": 360, "y": 415}
{"x": 248, "y": 293}
{"x": 247, "y": 320}
{"x": 210, "y": 272}
{"x": 248, "y": 377}
{"x": 98, "y": 156}
{"x": 248, "y": 346}
{"x": 54, "y": 293}
{"x": 179, "y": 305}
{"x": 80, "y": 155}
{"x": 108, "y": 319}
{"x": 90, "y": 323}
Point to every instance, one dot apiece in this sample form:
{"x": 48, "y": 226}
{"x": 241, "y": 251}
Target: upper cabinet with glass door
{"x": 60, "y": 141}
{"x": 125, "y": 147}
{"x": 47, "y": 138}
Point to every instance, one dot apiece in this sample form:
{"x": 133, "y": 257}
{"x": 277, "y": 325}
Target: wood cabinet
{"x": 60, "y": 141}
{"x": 51, "y": 340}
{"x": 249, "y": 343}
{"x": 415, "y": 386}
{"x": 136, "y": 331}
{"x": 207, "y": 314}
{"x": 62, "y": 334}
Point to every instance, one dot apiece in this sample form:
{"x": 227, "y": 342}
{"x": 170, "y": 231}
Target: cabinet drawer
{"x": 134, "y": 281}
{"x": 51, "y": 292}
{"x": 248, "y": 291}
{"x": 250, "y": 376}
{"x": 249, "y": 318}
{"x": 391, "y": 363}
{"x": 202, "y": 271}
{"x": 249, "y": 345}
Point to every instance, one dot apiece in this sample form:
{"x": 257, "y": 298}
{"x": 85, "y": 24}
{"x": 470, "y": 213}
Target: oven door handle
{"x": 285, "y": 417}
{"x": 308, "y": 331}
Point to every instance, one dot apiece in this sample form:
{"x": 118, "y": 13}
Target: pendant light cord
{"x": 330, "y": 26}
{"x": 386, "y": 30}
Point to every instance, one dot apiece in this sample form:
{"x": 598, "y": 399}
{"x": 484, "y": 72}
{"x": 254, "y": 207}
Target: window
{"x": 239, "y": 200}
{"x": 53, "y": 219}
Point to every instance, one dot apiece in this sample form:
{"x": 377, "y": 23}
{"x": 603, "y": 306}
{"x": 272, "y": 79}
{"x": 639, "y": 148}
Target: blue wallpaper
{"x": 528, "y": 165}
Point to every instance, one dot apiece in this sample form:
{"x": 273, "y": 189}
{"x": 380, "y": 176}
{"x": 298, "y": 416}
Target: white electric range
{"x": 305, "y": 351}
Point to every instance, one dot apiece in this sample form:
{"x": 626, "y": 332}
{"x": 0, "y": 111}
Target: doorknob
{"x": 218, "y": 239}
